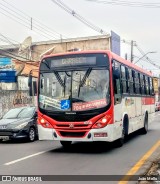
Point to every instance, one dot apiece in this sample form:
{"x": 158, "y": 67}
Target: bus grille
{"x": 75, "y": 125}
{"x": 72, "y": 117}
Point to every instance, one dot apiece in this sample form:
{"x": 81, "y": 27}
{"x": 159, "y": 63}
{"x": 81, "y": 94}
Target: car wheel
{"x": 66, "y": 144}
{"x": 32, "y": 134}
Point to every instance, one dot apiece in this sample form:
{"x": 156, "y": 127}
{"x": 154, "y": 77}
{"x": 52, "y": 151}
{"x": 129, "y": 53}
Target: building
{"x": 59, "y": 46}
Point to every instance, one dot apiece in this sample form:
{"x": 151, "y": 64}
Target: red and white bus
{"x": 92, "y": 96}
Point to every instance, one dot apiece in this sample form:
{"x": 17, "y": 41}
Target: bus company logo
{"x": 129, "y": 101}
{"x": 71, "y": 125}
{"x": 87, "y": 123}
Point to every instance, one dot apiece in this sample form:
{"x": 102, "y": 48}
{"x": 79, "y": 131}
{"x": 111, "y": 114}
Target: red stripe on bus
{"x": 148, "y": 101}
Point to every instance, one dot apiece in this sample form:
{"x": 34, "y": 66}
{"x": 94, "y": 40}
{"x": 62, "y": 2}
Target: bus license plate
{"x": 4, "y": 137}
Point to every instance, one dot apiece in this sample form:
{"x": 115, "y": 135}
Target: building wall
{"x": 102, "y": 42}
{"x": 23, "y": 82}
{"x": 8, "y": 86}
{"x": 14, "y": 98}
{"x": 88, "y": 43}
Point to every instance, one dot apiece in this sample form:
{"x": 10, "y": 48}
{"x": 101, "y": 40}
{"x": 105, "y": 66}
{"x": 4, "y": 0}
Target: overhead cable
{"x": 79, "y": 17}
{"x": 17, "y": 15}
{"x": 147, "y": 58}
{"x": 127, "y": 3}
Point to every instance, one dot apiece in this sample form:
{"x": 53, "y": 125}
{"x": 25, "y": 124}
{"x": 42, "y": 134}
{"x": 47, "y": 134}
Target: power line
{"x": 25, "y": 20}
{"x": 126, "y": 3}
{"x": 9, "y": 41}
{"x": 37, "y": 21}
{"x": 79, "y": 17}
{"x": 14, "y": 56}
{"x": 40, "y": 28}
{"x": 22, "y": 22}
{"x": 147, "y": 58}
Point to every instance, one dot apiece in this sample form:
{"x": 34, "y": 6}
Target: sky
{"x": 139, "y": 24}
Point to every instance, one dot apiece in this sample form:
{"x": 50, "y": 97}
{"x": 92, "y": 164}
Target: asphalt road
{"x": 49, "y": 158}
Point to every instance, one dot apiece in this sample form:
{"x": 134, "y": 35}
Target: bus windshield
{"x": 77, "y": 90}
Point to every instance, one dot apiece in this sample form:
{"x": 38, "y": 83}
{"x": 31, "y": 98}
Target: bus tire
{"x": 119, "y": 142}
{"x": 66, "y": 144}
{"x": 144, "y": 130}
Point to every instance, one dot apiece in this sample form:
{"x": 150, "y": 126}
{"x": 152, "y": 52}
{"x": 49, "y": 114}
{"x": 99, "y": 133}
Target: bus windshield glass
{"x": 78, "y": 90}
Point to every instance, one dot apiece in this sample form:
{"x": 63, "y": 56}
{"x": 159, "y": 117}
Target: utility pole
{"x": 126, "y": 56}
{"x": 31, "y": 23}
{"x": 132, "y": 51}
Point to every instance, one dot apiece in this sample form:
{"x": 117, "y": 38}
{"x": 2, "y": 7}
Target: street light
{"x": 144, "y": 56}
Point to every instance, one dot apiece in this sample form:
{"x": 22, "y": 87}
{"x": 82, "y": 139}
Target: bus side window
{"x": 130, "y": 81}
{"x": 142, "y": 84}
{"x": 151, "y": 87}
{"x": 137, "y": 83}
{"x": 127, "y": 80}
{"x": 134, "y": 84}
{"x": 117, "y": 83}
{"x": 147, "y": 85}
{"x": 123, "y": 79}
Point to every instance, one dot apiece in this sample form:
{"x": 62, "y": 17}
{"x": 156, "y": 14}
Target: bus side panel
{"x": 131, "y": 106}
{"x": 148, "y": 105}
{"x": 138, "y": 116}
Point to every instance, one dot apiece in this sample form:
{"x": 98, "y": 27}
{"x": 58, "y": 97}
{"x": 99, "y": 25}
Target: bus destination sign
{"x": 76, "y": 61}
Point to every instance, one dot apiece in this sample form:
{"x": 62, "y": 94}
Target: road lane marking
{"x": 139, "y": 164}
{"x": 24, "y": 158}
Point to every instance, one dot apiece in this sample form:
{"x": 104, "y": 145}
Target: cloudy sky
{"x": 49, "y": 21}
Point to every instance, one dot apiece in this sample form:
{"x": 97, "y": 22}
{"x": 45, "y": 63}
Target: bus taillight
{"x": 44, "y": 123}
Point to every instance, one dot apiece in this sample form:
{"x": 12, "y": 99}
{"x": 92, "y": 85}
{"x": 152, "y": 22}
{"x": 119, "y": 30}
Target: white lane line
{"x": 24, "y": 158}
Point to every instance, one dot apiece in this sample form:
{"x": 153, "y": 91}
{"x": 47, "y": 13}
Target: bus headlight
{"x": 44, "y": 123}
{"x": 102, "y": 122}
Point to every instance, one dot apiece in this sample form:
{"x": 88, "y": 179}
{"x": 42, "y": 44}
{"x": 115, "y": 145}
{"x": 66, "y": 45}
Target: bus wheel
{"x": 119, "y": 142}
{"x": 144, "y": 130}
{"x": 66, "y": 144}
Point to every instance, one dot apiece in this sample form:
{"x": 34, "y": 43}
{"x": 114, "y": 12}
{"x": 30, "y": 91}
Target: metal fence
{"x": 13, "y": 98}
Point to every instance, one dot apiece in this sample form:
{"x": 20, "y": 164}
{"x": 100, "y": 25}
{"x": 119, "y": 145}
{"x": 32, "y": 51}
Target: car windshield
{"x": 78, "y": 90}
{"x": 18, "y": 113}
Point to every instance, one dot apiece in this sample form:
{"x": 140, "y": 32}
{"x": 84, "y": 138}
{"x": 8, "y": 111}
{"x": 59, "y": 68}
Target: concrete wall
{"x": 14, "y": 98}
{"x": 21, "y": 84}
{"x": 8, "y": 86}
{"x": 86, "y": 43}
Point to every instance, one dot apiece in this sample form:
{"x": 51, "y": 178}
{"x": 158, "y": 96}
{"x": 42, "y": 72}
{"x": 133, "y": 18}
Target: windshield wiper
{"x": 84, "y": 79}
{"x": 46, "y": 64}
{"x": 59, "y": 78}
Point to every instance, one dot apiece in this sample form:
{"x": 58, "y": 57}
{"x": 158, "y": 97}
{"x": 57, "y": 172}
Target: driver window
{"x": 117, "y": 82}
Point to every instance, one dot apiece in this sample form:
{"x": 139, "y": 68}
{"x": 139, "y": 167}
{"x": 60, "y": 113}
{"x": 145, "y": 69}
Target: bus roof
{"x": 110, "y": 54}
{"x": 128, "y": 63}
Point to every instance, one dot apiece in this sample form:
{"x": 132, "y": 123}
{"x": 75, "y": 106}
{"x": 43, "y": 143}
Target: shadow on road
{"x": 85, "y": 147}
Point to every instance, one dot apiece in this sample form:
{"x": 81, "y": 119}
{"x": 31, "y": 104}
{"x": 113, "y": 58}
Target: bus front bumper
{"x": 108, "y": 134}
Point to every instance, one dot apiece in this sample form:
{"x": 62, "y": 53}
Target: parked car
{"x": 19, "y": 123}
{"x": 157, "y": 106}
